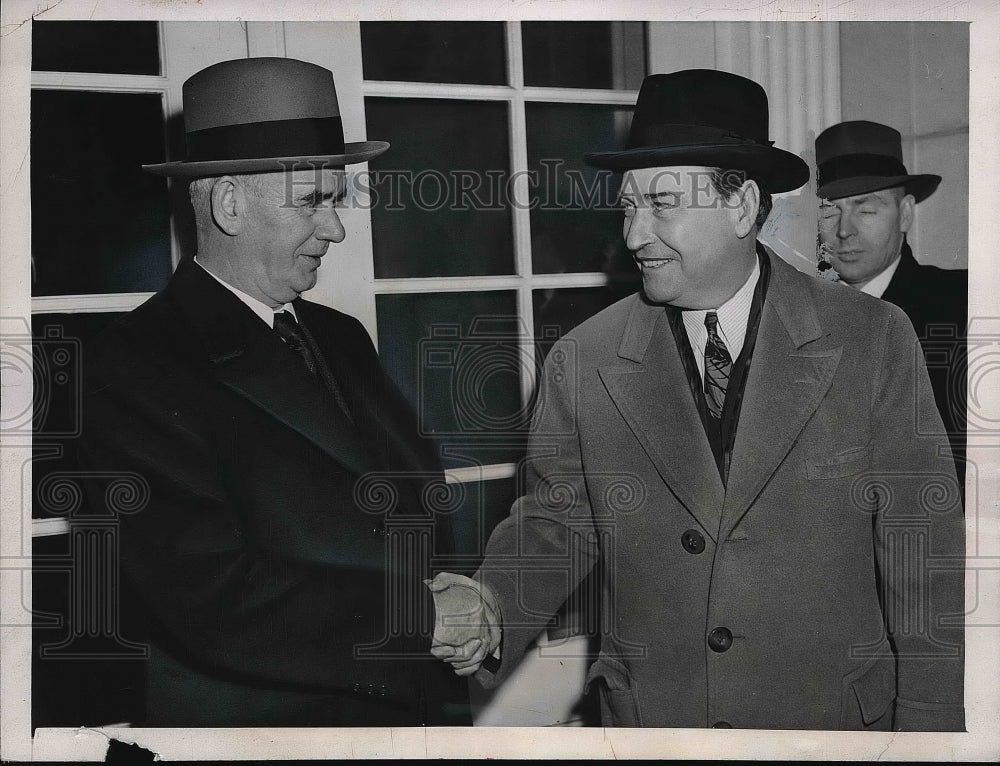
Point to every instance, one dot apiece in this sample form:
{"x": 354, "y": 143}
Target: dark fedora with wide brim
{"x": 261, "y": 115}
{"x": 708, "y": 118}
{"x": 858, "y": 157}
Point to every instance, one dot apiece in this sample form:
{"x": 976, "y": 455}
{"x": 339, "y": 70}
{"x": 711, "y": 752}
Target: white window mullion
{"x": 520, "y": 214}
{"x": 96, "y": 303}
{"x": 476, "y": 473}
{"x": 456, "y": 284}
{"x": 102, "y": 83}
{"x": 450, "y": 91}
{"x": 581, "y": 96}
{"x": 459, "y": 92}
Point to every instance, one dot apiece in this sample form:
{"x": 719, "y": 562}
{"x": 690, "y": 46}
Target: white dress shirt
{"x": 261, "y": 309}
{"x": 733, "y": 315}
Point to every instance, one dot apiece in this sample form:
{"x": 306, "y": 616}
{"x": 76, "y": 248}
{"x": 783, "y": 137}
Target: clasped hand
{"x": 466, "y": 622}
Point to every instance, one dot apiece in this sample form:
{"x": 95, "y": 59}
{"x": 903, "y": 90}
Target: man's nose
{"x": 637, "y": 231}
{"x": 329, "y": 227}
{"x": 846, "y": 227}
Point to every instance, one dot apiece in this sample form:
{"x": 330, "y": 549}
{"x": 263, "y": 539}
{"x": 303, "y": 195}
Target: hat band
{"x": 303, "y": 137}
{"x": 856, "y": 165}
{"x": 678, "y": 134}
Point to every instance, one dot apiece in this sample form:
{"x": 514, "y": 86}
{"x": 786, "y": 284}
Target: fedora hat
{"x": 704, "y": 117}
{"x": 257, "y": 115}
{"x": 858, "y": 157}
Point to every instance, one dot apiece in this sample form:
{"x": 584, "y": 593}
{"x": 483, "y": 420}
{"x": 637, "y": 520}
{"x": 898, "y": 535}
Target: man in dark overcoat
{"x": 734, "y": 452}
{"x": 287, "y": 514}
{"x": 868, "y": 205}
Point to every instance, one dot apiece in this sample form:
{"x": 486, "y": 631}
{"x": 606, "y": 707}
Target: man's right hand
{"x": 467, "y": 626}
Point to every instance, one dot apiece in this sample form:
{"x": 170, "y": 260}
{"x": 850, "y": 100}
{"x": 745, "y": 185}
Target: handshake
{"x": 467, "y": 622}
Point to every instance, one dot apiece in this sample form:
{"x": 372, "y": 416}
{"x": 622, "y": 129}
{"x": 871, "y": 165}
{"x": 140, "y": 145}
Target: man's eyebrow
{"x": 660, "y": 195}
{"x": 861, "y": 199}
{"x": 651, "y": 196}
{"x": 316, "y": 197}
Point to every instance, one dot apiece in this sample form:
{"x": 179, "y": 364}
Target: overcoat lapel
{"x": 254, "y": 362}
{"x": 270, "y": 375}
{"x": 785, "y": 384}
{"x": 380, "y": 409}
{"x": 654, "y": 397}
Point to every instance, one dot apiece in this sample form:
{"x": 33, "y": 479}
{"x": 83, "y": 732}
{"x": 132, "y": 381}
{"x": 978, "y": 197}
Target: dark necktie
{"x": 718, "y": 366}
{"x": 292, "y": 333}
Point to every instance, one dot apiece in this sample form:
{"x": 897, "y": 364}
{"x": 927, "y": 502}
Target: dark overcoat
{"x": 278, "y": 552}
{"x": 936, "y": 301}
{"x": 821, "y": 588}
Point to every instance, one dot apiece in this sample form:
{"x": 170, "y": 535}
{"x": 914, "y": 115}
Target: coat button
{"x": 722, "y": 725}
{"x": 720, "y": 639}
{"x": 693, "y": 541}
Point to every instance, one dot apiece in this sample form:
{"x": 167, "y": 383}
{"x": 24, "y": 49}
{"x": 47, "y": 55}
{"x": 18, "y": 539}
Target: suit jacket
{"x": 278, "y": 548}
{"x": 936, "y": 301}
{"x": 798, "y": 595}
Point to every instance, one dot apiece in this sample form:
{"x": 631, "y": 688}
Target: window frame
{"x": 523, "y": 282}
{"x": 179, "y": 58}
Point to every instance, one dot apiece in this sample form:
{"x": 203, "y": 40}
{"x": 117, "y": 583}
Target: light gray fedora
{"x": 258, "y": 115}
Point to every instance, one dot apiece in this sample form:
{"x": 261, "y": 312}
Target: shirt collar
{"x": 878, "y": 284}
{"x": 261, "y": 309}
{"x": 733, "y": 315}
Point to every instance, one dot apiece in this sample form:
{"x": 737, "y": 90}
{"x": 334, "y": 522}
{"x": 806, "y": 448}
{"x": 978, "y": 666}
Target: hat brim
{"x": 359, "y": 151}
{"x": 778, "y": 170}
{"x": 920, "y": 186}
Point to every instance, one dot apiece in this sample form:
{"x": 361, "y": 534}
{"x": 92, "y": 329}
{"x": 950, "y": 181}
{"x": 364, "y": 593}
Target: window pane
{"x": 457, "y": 358}
{"x": 115, "y": 47}
{"x": 576, "y": 225}
{"x": 484, "y": 504}
{"x": 557, "y": 311}
{"x": 434, "y": 51}
{"x": 99, "y": 224}
{"x": 584, "y": 54}
{"x": 439, "y": 202}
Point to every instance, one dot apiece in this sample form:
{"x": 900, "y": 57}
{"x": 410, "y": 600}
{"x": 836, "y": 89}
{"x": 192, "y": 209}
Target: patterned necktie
{"x": 292, "y": 333}
{"x": 718, "y": 366}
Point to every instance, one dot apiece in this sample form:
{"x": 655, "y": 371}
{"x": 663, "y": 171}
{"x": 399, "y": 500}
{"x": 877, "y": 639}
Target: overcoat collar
{"x": 903, "y": 279}
{"x": 786, "y": 382}
{"x": 244, "y": 355}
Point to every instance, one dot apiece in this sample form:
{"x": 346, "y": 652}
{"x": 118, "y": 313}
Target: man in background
{"x": 868, "y": 205}
{"x": 278, "y": 550}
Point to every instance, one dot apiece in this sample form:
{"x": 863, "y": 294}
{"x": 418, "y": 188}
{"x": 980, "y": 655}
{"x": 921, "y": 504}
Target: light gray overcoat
{"x": 833, "y": 558}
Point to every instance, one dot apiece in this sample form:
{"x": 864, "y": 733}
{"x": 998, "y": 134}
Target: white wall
{"x": 914, "y": 76}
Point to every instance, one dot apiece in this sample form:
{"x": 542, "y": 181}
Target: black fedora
{"x": 858, "y": 157}
{"x": 705, "y": 117}
{"x": 260, "y": 115}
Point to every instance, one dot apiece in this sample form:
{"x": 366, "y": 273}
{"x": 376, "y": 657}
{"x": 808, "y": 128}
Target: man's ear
{"x": 746, "y": 209}
{"x": 227, "y": 205}
{"x": 907, "y": 211}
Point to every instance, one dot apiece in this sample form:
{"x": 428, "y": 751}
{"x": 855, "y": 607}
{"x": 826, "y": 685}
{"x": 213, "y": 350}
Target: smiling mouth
{"x": 652, "y": 263}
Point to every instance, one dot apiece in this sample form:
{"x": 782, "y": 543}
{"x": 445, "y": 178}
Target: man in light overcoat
{"x": 750, "y": 459}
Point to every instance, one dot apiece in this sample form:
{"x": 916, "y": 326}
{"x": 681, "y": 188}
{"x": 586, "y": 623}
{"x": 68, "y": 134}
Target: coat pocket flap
{"x": 845, "y": 464}
{"x": 613, "y": 671}
{"x": 875, "y": 688}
